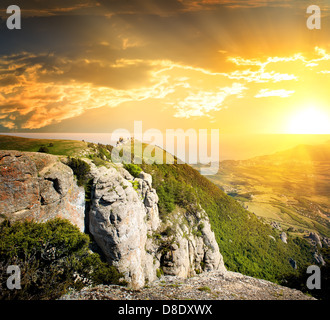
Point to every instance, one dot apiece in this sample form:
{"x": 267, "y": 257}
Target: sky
{"x": 94, "y": 66}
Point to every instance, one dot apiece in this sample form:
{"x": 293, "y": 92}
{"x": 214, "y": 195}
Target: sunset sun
{"x": 309, "y": 121}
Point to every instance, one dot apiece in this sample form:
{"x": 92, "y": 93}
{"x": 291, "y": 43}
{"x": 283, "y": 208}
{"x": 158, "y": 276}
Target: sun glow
{"x": 309, "y": 121}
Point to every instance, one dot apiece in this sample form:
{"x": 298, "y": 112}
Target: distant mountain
{"x": 300, "y": 153}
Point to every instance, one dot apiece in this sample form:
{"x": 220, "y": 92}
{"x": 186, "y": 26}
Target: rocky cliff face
{"x": 123, "y": 216}
{"x": 36, "y": 186}
{"x": 125, "y": 223}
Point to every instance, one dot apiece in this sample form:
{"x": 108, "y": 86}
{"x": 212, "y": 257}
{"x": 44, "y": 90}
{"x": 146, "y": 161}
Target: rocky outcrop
{"x": 117, "y": 221}
{"x": 315, "y": 238}
{"x": 38, "y": 187}
{"x": 125, "y": 223}
{"x": 186, "y": 246}
{"x": 122, "y": 216}
{"x": 213, "y": 285}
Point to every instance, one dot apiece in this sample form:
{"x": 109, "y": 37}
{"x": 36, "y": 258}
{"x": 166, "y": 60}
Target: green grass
{"x": 60, "y": 147}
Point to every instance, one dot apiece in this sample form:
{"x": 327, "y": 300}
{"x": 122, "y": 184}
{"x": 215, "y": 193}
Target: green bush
{"x": 52, "y": 256}
{"x": 80, "y": 169}
{"x": 133, "y": 169}
{"x": 43, "y": 149}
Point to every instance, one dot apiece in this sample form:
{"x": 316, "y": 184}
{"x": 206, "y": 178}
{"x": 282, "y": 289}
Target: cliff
{"x": 124, "y": 221}
{"x": 122, "y": 216}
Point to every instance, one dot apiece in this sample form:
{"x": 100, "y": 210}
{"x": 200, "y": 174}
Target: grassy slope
{"x": 244, "y": 241}
{"x": 61, "y": 147}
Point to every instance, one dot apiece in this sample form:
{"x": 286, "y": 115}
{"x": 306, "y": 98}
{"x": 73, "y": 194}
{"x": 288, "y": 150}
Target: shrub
{"x": 133, "y": 169}
{"x": 52, "y": 257}
{"x": 43, "y": 149}
{"x": 98, "y": 161}
{"x": 159, "y": 272}
{"x": 81, "y": 169}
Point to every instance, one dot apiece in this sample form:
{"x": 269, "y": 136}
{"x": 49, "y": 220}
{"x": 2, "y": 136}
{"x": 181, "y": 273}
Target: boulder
{"x": 284, "y": 237}
{"x": 319, "y": 258}
{"x": 38, "y": 187}
{"x": 293, "y": 263}
{"x": 315, "y": 238}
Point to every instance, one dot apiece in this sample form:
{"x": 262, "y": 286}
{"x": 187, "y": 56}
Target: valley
{"x": 290, "y": 188}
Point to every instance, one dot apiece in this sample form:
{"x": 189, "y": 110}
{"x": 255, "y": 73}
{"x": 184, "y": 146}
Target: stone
{"x": 293, "y": 263}
{"x": 319, "y": 258}
{"x": 315, "y": 238}
{"x": 284, "y": 237}
{"x": 117, "y": 223}
{"x": 275, "y": 225}
{"x": 38, "y": 187}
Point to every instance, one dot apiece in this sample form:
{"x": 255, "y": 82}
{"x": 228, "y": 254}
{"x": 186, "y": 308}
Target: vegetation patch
{"x": 80, "y": 169}
{"x": 243, "y": 239}
{"x": 133, "y": 169}
{"x": 52, "y": 257}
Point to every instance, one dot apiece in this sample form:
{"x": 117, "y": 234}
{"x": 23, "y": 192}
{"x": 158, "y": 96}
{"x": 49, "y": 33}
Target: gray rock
{"x": 319, "y": 258}
{"x": 38, "y": 187}
{"x": 276, "y": 225}
{"x": 326, "y": 242}
{"x": 283, "y": 237}
{"x": 293, "y": 263}
{"x": 315, "y": 238}
{"x": 124, "y": 211}
{"x": 117, "y": 222}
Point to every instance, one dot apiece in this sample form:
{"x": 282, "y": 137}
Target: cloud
{"x": 282, "y": 93}
{"x": 8, "y": 124}
{"x": 39, "y": 90}
{"x": 36, "y": 100}
{"x": 52, "y": 7}
{"x": 203, "y": 102}
{"x": 36, "y": 8}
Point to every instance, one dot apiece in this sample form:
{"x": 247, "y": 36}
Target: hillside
{"x": 246, "y": 244}
{"x": 57, "y": 147}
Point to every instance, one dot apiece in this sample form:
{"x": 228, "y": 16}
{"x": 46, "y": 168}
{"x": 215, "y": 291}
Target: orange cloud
{"x": 36, "y": 92}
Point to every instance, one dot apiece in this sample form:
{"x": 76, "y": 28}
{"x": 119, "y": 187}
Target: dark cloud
{"x": 157, "y": 7}
{"x": 50, "y": 7}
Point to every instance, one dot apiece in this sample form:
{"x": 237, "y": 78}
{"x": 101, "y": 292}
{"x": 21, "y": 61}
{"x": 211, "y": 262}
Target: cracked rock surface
{"x": 38, "y": 187}
{"x": 212, "y": 285}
